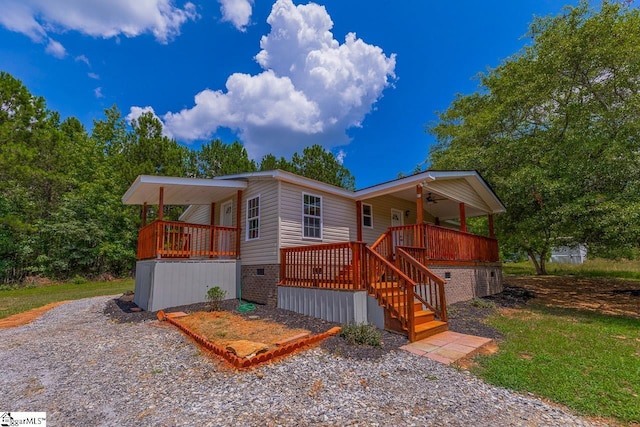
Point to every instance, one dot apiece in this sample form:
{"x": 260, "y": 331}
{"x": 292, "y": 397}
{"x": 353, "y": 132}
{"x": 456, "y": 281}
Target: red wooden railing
{"x": 441, "y": 244}
{"x": 429, "y": 288}
{"x": 174, "y": 239}
{"x": 355, "y": 266}
{"x": 330, "y": 266}
{"x": 393, "y": 289}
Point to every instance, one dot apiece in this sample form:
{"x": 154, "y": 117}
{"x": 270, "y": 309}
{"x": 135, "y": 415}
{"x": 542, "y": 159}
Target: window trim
{"x": 248, "y": 219}
{"x": 369, "y": 216}
{"x": 313, "y": 216}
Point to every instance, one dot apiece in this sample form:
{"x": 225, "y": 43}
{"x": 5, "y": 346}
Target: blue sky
{"x": 362, "y": 78}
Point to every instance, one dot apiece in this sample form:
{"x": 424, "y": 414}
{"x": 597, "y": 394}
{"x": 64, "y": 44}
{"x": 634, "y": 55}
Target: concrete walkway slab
{"x": 447, "y": 347}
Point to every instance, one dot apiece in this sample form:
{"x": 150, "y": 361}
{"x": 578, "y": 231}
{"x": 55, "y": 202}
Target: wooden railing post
{"x": 355, "y": 253}
{"x": 283, "y": 266}
{"x": 238, "y": 222}
{"x": 411, "y": 314}
{"x": 159, "y": 238}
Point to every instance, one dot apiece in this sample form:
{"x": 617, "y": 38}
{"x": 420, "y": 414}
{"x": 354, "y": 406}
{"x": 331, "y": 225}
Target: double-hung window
{"x": 367, "y": 215}
{"x": 311, "y": 216}
{"x": 253, "y": 218}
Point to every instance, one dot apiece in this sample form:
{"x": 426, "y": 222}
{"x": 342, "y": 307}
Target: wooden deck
{"x": 174, "y": 239}
{"x": 393, "y": 270}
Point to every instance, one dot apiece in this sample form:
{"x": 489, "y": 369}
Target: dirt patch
{"x": 242, "y": 335}
{"x": 469, "y": 361}
{"x": 23, "y": 318}
{"x": 608, "y": 296}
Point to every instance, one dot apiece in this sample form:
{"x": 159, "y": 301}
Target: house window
{"x": 253, "y": 218}
{"x": 367, "y": 216}
{"x": 311, "y": 216}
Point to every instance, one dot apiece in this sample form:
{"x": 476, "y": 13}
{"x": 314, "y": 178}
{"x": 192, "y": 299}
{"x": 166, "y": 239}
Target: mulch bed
{"x": 468, "y": 318}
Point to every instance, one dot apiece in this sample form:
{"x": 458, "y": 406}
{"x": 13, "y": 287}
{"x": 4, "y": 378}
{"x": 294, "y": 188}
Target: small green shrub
{"x": 215, "y": 296}
{"x": 482, "y": 303}
{"x": 78, "y": 280}
{"x": 7, "y": 287}
{"x": 362, "y": 334}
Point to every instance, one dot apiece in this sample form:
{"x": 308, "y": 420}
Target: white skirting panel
{"x": 334, "y": 306}
{"x": 162, "y": 284}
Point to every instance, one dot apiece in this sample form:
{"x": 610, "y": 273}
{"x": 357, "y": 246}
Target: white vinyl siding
{"x": 253, "y": 218}
{"x": 338, "y": 217}
{"x": 265, "y": 249}
{"x": 198, "y": 214}
{"x": 382, "y": 206}
{"x": 367, "y": 215}
{"x": 311, "y": 216}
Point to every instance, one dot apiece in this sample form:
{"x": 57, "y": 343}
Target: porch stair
{"x": 392, "y": 298}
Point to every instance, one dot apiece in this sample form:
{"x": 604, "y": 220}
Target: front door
{"x": 397, "y": 220}
{"x": 226, "y": 220}
{"x": 227, "y": 214}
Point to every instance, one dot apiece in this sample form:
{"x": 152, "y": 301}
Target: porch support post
{"x": 463, "y": 218}
{"x": 492, "y": 233}
{"x": 359, "y": 219}
{"x": 212, "y": 234}
{"x": 238, "y": 222}
{"x": 161, "y": 204}
{"x": 419, "y": 205}
{"x": 144, "y": 214}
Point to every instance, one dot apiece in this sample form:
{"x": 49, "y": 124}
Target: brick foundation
{"x": 468, "y": 282}
{"x": 262, "y": 289}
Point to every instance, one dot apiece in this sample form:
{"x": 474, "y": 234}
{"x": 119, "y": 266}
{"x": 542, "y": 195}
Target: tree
{"x": 217, "y": 158}
{"x": 320, "y": 164}
{"x": 269, "y": 162}
{"x": 556, "y": 131}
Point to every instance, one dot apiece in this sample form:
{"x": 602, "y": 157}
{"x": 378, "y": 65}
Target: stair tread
{"x": 423, "y": 313}
{"x": 429, "y": 325}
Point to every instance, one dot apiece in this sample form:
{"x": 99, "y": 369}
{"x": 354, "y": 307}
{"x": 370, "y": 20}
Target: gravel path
{"x": 84, "y": 369}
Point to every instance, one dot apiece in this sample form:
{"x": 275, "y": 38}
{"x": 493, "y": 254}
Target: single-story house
{"x": 393, "y": 254}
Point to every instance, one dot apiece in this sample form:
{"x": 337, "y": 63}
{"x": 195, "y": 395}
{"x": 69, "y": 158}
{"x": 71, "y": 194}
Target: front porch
{"x": 395, "y": 271}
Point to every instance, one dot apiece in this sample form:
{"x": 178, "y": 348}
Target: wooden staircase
{"x": 425, "y": 323}
{"x": 412, "y": 295}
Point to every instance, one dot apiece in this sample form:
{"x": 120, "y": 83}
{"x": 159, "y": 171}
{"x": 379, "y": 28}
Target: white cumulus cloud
{"x": 83, "y": 58}
{"x": 312, "y": 88}
{"x": 97, "y": 18}
{"x": 54, "y": 48}
{"x": 238, "y": 12}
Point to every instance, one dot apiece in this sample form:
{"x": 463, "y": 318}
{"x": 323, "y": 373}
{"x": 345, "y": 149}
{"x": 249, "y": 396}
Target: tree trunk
{"x": 539, "y": 262}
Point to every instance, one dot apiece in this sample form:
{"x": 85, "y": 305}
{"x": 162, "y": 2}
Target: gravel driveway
{"x": 84, "y": 369}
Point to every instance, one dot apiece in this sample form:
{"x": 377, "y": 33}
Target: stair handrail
{"x": 440, "y": 307}
{"x": 406, "y": 316}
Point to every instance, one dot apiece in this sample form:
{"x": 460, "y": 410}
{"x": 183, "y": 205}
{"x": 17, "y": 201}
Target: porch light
{"x": 406, "y": 213}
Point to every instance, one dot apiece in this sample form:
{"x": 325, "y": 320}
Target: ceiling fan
{"x": 432, "y": 200}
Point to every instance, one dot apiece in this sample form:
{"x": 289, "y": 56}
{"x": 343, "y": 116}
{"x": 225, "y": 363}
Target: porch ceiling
{"x": 448, "y": 190}
{"x": 180, "y": 191}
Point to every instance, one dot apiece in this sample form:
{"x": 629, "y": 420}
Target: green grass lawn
{"x": 591, "y": 268}
{"x": 587, "y": 361}
{"x": 18, "y": 300}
